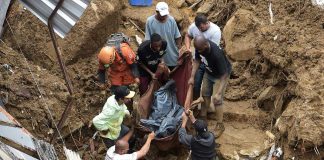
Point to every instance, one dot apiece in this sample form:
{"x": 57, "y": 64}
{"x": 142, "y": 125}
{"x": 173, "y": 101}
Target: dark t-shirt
{"x": 215, "y": 61}
{"x": 148, "y": 57}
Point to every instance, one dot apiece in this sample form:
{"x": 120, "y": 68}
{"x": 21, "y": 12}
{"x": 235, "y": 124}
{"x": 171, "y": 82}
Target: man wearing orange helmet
{"x": 117, "y": 65}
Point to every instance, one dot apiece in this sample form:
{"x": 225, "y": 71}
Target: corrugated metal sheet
{"x": 66, "y": 16}
{"x": 3, "y": 12}
{"x": 16, "y": 134}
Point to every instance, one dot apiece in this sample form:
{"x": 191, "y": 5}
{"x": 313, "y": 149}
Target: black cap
{"x": 200, "y": 126}
{"x": 123, "y": 92}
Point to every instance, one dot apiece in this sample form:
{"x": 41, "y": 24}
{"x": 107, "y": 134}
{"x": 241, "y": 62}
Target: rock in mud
{"x": 190, "y": 2}
{"x": 240, "y": 36}
{"x": 181, "y": 3}
{"x": 206, "y": 7}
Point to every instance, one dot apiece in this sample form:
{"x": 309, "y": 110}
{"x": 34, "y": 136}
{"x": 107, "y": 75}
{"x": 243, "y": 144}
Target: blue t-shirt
{"x": 169, "y": 32}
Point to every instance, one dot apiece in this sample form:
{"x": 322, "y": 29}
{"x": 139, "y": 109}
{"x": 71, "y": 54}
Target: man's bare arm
{"x": 188, "y": 40}
{"x": 195, "y": 67}
{"x": 178, "y": 42}
{"x": 146, "y": 69}
{"x": 143, "y": 151}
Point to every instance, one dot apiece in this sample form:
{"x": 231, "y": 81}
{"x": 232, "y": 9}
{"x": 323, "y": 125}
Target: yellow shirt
{"x": 111, "y": 118}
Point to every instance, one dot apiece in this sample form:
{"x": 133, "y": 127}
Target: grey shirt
{"x": 213, "y": 33}
{"x": 169, "y": 32}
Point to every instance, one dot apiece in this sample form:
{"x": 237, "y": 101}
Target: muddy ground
{"x": 277, "y": 81}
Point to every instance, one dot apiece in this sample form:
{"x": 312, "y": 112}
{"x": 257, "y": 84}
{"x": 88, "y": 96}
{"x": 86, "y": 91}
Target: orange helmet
{"x": 107, "y": 55}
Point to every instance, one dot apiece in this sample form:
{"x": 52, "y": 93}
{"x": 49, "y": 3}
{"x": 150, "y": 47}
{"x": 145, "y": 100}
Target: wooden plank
{"x": 4, "y": 4}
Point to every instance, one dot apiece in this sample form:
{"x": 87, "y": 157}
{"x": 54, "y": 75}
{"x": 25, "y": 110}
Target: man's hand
{"x": 188, "y": 50}
{"x": 217, "y": 99}
{"x": 191, "y": 81}
{"x": 108, "y": 83}
{"x": 189, "y": 113}
{"x": 151, "y": 136}
{"x": 137, "y": 80}
{"x": 90, "y": 124}
{"x": 153, "y": 76}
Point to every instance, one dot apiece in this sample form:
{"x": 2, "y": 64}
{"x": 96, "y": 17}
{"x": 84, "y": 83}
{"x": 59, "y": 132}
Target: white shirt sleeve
{"x": 216, "y": 34}
{"x": 190, "y": 29}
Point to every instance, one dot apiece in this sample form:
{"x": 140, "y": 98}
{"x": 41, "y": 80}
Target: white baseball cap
{"x": 162, "y": 8}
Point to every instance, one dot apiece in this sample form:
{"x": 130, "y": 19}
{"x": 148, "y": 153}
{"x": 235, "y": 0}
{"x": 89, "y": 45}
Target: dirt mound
{"x": 24, "y": 101}
{"x": 287, "y": 54}
{"x": 89, "y": 34}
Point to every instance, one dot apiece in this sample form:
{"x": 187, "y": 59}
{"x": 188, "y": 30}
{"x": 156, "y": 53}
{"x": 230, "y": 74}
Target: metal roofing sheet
{"x": 16, "y": 134}
{"x": 66, "y": 16}
{"x": 3, "y": 12}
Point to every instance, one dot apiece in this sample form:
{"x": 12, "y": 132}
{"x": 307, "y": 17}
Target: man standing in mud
{"x": 218, "y": 69}
{"x": 165, "y": 25}
{"x": 212, "y": 32}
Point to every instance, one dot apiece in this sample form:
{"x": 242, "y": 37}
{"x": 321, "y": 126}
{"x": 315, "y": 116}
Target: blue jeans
{"x": 198, "y": 80}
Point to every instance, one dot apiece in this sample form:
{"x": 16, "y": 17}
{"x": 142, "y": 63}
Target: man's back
{"x": 203, "y": 148}
{"x": 111, "y": 155}
{"x": 169, "y": 31}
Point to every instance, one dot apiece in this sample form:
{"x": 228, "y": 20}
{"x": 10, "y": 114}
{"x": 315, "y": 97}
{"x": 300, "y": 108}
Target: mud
{"x": 276, "y": 85}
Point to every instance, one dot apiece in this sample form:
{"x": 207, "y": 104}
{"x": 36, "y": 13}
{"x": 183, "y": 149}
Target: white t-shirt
{"x": 213, "y": 33}
{"x": 111, "y": 155}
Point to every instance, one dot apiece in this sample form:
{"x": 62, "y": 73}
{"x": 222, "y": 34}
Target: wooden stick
{"x": 195, "y": 4}
{"x": 136, "y": 26}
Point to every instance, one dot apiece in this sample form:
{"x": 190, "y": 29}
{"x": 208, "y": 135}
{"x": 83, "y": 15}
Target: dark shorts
{"x": 108, "y": 142}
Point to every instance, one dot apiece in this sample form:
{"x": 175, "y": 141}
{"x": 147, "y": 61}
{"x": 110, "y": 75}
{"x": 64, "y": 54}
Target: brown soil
{"x": 281, "y": 82}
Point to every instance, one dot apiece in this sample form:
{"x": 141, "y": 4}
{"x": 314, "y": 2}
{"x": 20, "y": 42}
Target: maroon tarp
{"x": 181, "y": 77}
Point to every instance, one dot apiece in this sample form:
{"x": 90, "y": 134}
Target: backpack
{"x": 115, "y": 39}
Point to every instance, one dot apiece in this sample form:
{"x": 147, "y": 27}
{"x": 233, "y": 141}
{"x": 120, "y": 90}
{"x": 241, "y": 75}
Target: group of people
{"x": 120, "y": 67}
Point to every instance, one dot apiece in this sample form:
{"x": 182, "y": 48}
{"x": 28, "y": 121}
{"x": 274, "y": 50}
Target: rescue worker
{"x": 212, "y": 32}
{"x": 117, "y": 68}
{"x": 218, "y": 69}
{"x": 109, "y": 121}
{"x": 149, "y": 56}
{"x": 164, "y": 24}
{"x": 202, "y": 145}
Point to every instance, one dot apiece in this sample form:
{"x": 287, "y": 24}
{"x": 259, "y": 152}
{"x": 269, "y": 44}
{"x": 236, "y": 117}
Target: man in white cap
{"x": 165, "y": 25}
{"x": 109, "y": 121}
